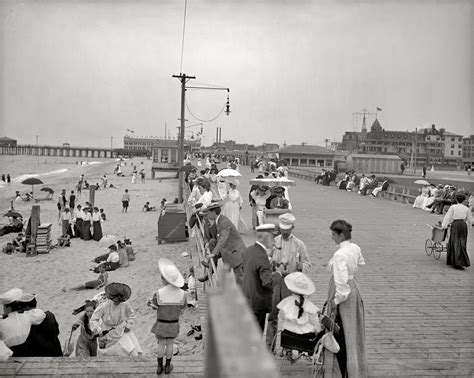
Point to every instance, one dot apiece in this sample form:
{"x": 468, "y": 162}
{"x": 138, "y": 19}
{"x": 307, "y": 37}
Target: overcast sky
{"x": 82, "y": 71}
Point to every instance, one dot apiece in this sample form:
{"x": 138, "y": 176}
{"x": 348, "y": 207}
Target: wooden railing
{"x": 235, "y": 347}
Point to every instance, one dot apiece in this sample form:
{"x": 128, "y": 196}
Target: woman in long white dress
{"x": 232, "y": 206}
{"x": 420, "y": 200}
{"x": 113, "y": 320}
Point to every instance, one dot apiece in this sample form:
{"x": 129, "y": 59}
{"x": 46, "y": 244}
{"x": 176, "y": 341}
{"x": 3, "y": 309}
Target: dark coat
{"x": 42, "y": 341}
{"x": 258, "y": 279}
{"x": 230, "y": 245}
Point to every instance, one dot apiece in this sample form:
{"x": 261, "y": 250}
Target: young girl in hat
{"x": 86, "y": 345}
{"x": 168, "y": 302}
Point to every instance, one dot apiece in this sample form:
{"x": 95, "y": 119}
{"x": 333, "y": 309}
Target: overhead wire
{"x": 202, "y": 120}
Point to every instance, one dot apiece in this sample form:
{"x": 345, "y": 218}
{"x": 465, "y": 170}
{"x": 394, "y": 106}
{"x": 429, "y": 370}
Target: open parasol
{"x": 49, "y": 190}
{"x": 227, "y": 172}
{"x": 271, "y": 182}
{"x": 13, "y": 214}
{"x": 32, "y": 181}
{"x": 422, "y": 182}
{"x": 107, "y": 241}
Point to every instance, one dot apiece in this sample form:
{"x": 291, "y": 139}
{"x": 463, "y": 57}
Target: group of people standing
{"x": 273, "y": 269}
{"x": 78, "y": 221}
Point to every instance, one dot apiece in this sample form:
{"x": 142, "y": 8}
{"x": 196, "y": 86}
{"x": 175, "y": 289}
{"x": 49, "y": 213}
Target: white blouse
{"x": 14, "y": 329}
{"x": 455, "y": 212}
{"x": 288, "y": 316}
{"x": 343, "y": 265}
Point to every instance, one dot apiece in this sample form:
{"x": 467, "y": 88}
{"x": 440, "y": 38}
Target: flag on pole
{"x": 379, "y": 109}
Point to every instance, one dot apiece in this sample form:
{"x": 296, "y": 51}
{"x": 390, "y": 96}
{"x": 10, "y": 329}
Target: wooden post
{"x": 91, "y": 195}
{"x": 35, "y": 222}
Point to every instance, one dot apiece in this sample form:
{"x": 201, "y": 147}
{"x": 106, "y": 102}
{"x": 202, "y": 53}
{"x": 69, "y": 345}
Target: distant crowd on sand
{"x": 273, "y": 273}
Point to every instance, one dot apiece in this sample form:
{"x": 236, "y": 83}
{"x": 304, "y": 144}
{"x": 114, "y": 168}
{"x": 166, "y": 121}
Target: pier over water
{"x": 66, "y": 151}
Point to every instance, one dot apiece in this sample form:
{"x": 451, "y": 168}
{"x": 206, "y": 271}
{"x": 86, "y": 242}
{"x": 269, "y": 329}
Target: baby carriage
{"x": 435, "y": 245}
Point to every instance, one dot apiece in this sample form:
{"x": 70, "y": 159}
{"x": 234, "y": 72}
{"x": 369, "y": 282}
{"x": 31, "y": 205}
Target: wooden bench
{"x": 398, "y": 193}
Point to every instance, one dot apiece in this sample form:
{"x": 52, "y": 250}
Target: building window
{"x": 452, "y": 153}
{"x": 312, "y": 162}
{"x": 459, "y": 153}
{"x": 320, "y": 163}
{"x": 328, "y": 163}
{"x": 294, "y": 162}
{"x": 303, "y": 161}
{"x": 459, "y": 145}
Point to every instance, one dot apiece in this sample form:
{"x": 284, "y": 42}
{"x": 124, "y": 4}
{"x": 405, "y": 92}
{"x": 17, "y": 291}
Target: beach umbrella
{"x": 13, "y": 214}
{"x": 227, "y": 172}
{"x": 271, "y": 182}
{"x": 32, "y": 181}
{"x": 421, "y": 182}
{"x": 107, "y": 241}
{"x": 49, "y": 190}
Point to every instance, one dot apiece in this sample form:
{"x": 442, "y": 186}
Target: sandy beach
{"x": 48, "y": 275}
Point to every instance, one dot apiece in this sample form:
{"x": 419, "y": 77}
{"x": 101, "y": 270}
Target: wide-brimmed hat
{"x": 116, "y": 290}
{"x": 15, "y": 295}
{"x": 213, "y": 206}
{"x": 299, "y": 283}
{"x": 262, "y": 188}
{"x": 170, "y": 272}
{"x": 268, "y": 227}
{"x": 286, "y": 221}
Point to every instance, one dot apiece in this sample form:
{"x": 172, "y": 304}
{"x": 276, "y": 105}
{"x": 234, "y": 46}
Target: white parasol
{"x": 108, "y": 240}
{"x": 227, "y": 172}
{"x": 271, "y": 182}
{"x": 422, "y": 182}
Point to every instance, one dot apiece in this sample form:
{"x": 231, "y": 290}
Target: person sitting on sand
{"x": 15, "y": 224}
{"x": 112, "y": 262}
{"x": 19, "y": 242}
{"x": 94, "y": 284}
{"x": 147, "y": 207}
{"x": 17, "y": 196}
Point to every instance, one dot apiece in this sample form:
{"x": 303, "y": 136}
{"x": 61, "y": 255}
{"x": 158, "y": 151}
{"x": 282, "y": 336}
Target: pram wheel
{"x": 437, "y": 249}
{"x": 429, "y": 246}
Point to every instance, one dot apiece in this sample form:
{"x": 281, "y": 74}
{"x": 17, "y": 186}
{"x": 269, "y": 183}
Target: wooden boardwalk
{"x": 419, "y": 318}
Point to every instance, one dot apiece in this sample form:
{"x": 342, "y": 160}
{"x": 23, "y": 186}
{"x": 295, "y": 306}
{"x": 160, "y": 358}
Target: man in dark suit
{"x": 259, "y": 279}
{"x": 230, "y": 245}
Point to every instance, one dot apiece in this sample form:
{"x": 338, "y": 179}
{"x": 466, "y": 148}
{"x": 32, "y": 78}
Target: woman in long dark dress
{"x": 78, "y": 224}
{"x": 86, "y": 225}
{"x": 460, "y": 217}
{"x": 96, "y": 224}
{"x": 41, "y": 339}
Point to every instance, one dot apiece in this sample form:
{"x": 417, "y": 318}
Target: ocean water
{"x": 21, "y": 167}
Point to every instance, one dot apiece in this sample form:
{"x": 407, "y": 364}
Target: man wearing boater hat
{"x": 259, "y": 278}
{"x": 230, "y": 245}
{"x": 290, "y": 255}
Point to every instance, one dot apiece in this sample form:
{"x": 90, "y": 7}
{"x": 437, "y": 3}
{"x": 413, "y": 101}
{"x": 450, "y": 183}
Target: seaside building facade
{"x": 307, "y": 156}
{"x": 7, "y": 142}
{"x": 468, "y": 150}
{"x": 430, "y": 146}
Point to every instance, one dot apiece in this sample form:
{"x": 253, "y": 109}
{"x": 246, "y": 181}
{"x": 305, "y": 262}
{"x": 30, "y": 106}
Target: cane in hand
{"x": 67, "y": 347}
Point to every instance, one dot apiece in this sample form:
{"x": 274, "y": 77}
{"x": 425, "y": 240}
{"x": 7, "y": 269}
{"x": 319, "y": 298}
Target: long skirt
{"x": 351, "y": 360}
{"x": 97, "y": 230}
{"x": 78, "y": 228}
{"x": 457, "y": 245}
{"x": 86, "y": 230}
{"x": 86, "y": 346}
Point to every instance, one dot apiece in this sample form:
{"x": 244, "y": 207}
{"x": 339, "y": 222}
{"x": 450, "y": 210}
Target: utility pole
{"x": 183, "y": 78}
{"x": 326, "y": 142}
{"x": 111, "y": 143}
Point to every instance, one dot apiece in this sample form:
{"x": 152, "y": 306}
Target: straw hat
{"x": 15, "y": 295}
{"x": 116, "y": 290}
{"x": 299, "y": 283}
{"x": 170, "y": 272}
{"x": 286, "y": 221}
